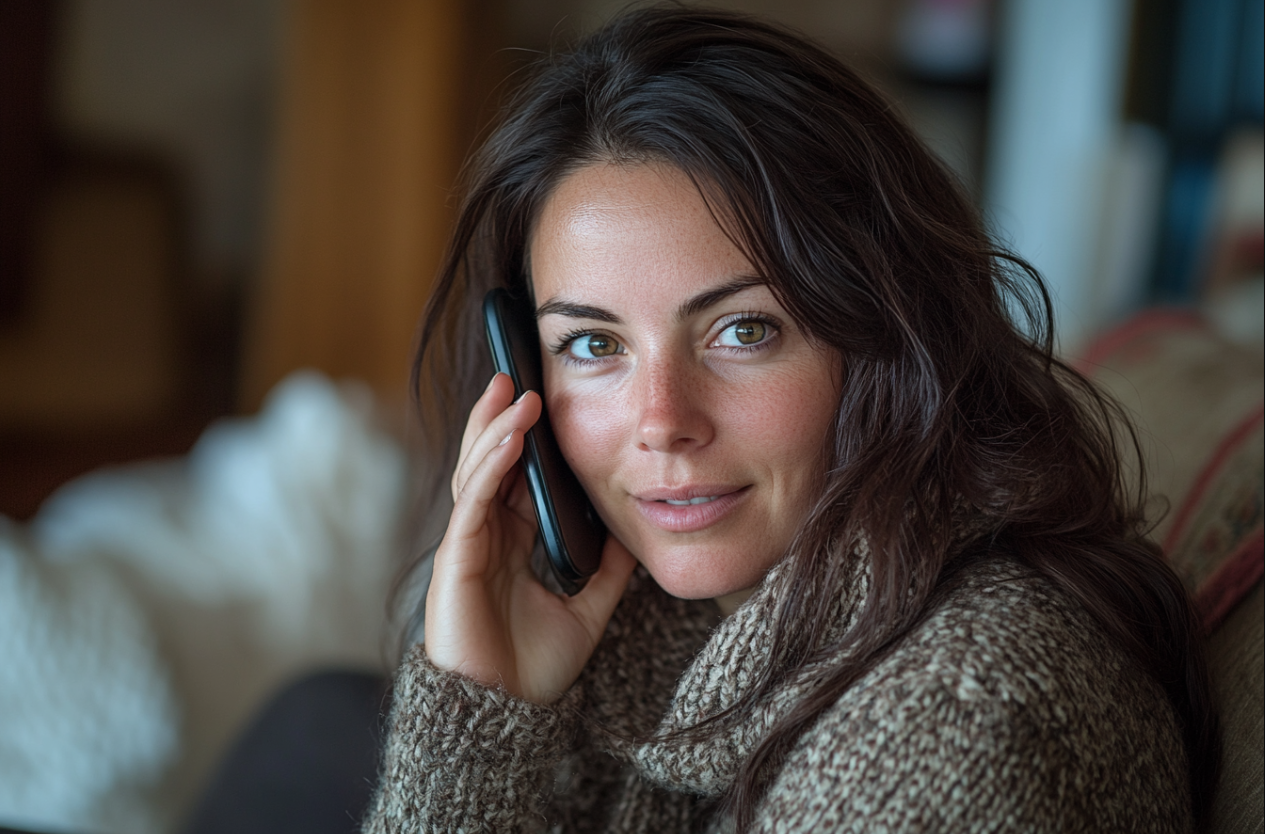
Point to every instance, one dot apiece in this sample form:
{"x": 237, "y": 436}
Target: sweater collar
{"x": 666, "y": 664}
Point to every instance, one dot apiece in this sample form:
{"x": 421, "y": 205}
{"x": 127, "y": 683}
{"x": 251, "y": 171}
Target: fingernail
{"x": 507, "y": 438}
{"x": 491, "y": 382}
{"x": 520, "y": 397}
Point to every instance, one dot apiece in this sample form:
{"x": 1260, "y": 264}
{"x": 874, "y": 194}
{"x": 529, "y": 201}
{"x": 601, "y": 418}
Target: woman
{"x": 873, "y": 561}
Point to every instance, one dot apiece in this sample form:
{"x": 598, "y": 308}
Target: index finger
{"x": 494, "y": 399}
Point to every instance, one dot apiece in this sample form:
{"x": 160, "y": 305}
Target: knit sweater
{"x": 1006, "y": 709}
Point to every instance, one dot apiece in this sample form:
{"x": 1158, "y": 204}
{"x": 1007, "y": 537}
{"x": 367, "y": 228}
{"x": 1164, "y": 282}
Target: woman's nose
{"x": 672, "y": 409}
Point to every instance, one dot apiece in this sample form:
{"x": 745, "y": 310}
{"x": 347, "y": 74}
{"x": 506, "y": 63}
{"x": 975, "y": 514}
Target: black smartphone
{"x": 572, "y": 533}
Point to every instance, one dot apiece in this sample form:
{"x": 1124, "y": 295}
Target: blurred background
{"x": 198, "y": 198}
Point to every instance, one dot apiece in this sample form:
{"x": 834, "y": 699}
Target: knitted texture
{"x": 1007, "y": 709}
{"x": 450, "y": 736}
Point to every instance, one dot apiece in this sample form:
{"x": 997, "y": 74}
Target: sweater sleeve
{"x": 461, "y": 757}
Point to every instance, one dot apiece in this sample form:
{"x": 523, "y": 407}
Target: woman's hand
{"x": 487, "y": 616}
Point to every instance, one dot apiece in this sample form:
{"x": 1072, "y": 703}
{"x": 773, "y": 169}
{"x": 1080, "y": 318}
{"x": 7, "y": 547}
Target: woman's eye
{"x": 743, "y": 334}
{"x": 594, "y": 346}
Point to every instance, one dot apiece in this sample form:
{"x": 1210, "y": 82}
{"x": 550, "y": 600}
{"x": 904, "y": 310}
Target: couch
{"x": 1196, "y": 398}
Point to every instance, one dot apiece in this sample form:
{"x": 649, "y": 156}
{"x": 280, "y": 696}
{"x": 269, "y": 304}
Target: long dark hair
{"x": 950, "y": 408}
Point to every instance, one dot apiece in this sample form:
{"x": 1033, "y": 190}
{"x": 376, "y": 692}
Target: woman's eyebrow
{"x": 554, "y": 307}
{"x": 707, "y": 298}
{"x": 690, "y": 307}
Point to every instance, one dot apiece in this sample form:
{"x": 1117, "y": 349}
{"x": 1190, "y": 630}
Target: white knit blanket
{"x": 147, "y": 610}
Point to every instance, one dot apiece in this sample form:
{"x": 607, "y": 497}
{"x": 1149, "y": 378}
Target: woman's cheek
{"x": 586, "y": 425}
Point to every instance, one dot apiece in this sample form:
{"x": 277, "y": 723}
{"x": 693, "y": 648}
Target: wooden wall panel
{"x": 367, "y": 154}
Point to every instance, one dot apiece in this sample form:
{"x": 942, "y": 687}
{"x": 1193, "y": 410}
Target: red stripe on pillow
{"x": 1143, "y": 324}
{"x": 1237, "y": 575}
{"x": 1211, "y": 470}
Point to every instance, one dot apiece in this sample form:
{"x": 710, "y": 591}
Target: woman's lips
{"x": 689, "y": 517}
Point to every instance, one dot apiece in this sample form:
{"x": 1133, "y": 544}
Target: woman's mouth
{"x": 685, "y": 513}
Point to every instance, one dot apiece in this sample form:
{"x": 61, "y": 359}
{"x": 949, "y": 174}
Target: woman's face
{"x": 689, "y": 404}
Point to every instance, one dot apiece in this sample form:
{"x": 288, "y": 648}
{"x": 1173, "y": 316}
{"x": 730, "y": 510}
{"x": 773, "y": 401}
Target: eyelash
{"x": 560, "y": 347}
{"x": 570, "y": 336}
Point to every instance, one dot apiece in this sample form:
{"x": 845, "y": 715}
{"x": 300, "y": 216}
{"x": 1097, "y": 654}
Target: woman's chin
{"x": 690, "y": 575}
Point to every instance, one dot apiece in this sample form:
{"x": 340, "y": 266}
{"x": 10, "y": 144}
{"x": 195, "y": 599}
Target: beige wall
{"x": 366, "y": 157}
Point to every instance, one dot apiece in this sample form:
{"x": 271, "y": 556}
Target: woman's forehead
{"x": 631, "y": 232}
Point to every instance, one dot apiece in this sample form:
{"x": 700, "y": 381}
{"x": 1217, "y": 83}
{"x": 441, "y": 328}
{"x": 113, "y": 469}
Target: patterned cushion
{"x": 1197, "y": 401}
{"x": 1215, "y": 541}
